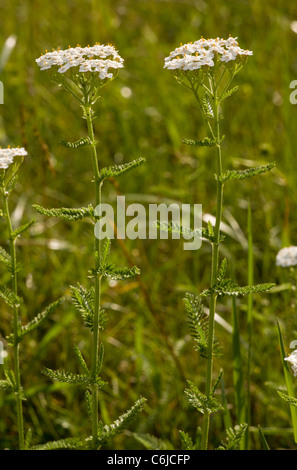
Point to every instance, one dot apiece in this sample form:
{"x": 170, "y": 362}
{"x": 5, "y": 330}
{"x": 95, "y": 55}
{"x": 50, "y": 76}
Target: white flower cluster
{"x": 99, "y": 58}
{"x": 287, "y": 257}
{"x": 7, "y": 155}
{"x": 194, "y": 55}
{"x": 292, "y": 358}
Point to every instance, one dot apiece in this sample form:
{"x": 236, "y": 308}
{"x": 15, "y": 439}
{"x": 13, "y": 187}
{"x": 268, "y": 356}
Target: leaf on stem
{"x": 228, "y": 93}
{"x": 206, "y": 142}
{"x": 226, "y": 287}
{"x": 243, "y": 174}
{"x": 66, "y": 213}
{"x": 118, "y": 426}
{"x": 37, "y": 321}
{"x": 117, "y": 274}
{"x": 198, "y": 325}
{"x": 21, "y": 229}
{"x": 75, "y": 145}
{"x": 84, "y": 301}
{"x": 118, "y": 170}
{"x": 5, "y": 258}
{"x": 200, "y": 401}
{"x": 63, "y": 444}
{"x": 234, "y": 436}
{"x": 76, "y": 379}
{"x": 9, "y": 297}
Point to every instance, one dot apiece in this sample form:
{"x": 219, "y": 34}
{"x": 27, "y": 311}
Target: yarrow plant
{"x": 207, "y": 68}
{"x": 83, "y": 71}
{"x": 10, "y": 162}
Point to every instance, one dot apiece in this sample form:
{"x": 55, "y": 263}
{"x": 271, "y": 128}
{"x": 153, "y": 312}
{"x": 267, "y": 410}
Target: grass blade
{"x": 289, "y": 382}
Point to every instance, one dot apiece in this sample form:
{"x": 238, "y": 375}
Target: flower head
{"x": 99, "y": 58}
{"x": 205, "y": 53}
{"x": 292, "y": 359}
{"x": 287, "y": 257}
{"x": 7, "y": 155}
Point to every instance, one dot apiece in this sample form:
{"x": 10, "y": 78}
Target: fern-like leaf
{"x": 234, "y": 436}
{"x": 16, "y": 233}
{"x": 70, "y": 443}
{"x": 229, "y": 93}
{"x": 200, "y": 401}
{"x": 187, "y": 443}
{"x": 5, "y": 385}
{"x": 84, "y": 301}
{"x": 118, "y": 170}
{"x": 111, "y": 430}
{"x": 243, "y": 174}
{"x": 207, "y": 105}
{"x": 5, "y": 258}
{"x": 292, "y": 401}
{"x": 206, "y": 142}
{"x": 76, "y": 379}
{"x": 117, "y": 274}
{"x": 37, "y": 321}
{"x": 198, "y": 325}
{"x": 226, "y": 287}
{"x": 231, "y": 289}
{"x": 81, "y": 360}
{"x": 75, "y": 145}
{"x": 9, "y": 297}
{"x": 66, "y": 213}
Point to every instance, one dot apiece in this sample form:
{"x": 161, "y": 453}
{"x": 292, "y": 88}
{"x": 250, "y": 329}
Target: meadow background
{"x": 144, "y": 112}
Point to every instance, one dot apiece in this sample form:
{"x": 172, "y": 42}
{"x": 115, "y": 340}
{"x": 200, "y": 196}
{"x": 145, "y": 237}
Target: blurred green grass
{"x": 148, "y": 350}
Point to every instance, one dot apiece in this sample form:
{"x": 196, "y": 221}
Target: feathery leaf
{"x": 198, "y": 324}
{"x": 200, "y": 401}
{"x": 69, "y": 377}
{"x": 66, "y": 213}
{"x": 243, "y": 174}
{"x": 9, "y": 297}
{"x": 111, "y": 430}
{"x": 5, "y": 258}
{"x": 118, "y": 170}
{"x": 117, "y": 274}
{"x": 37, "y": 321}
{"x": 21, "y": 229}
{"x": 75, "y": 145}
{"x": 234, "y": 436}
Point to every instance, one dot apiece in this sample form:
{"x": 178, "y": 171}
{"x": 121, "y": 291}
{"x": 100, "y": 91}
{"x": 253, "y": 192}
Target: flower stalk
{"x": 16, "y": 322}
{"x": 214, "y": 265}
{"x": 83, "y": 72}
{"x": 97, "y": 253}
{"x": 207, "y": 68}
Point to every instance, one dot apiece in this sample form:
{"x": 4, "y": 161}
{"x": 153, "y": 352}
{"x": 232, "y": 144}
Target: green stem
{"x": 97, "y": 248}
{"x": 214, "y": 270}
{"x": 16, "y": 355}
{"x": 249, "y": 323}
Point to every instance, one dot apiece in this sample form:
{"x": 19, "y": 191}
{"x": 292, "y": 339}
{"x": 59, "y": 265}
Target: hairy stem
{"x": 16, "y": 355}
{"x": 97, "y": 248}
{"x": 214, "y": 270}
